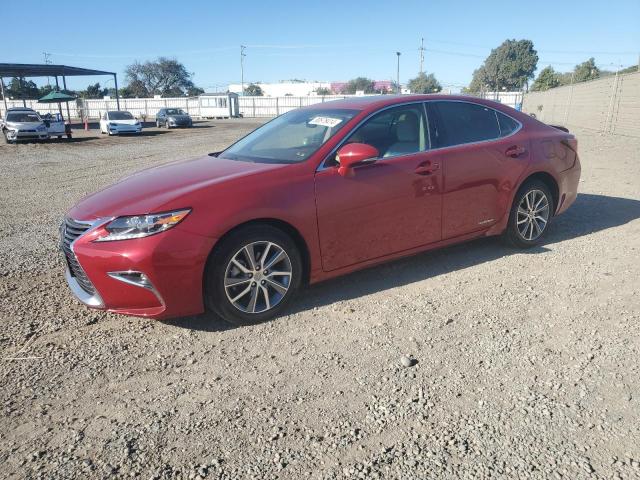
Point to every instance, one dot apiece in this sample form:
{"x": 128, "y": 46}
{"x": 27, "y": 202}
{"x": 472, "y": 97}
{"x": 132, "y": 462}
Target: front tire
{"x": 167, "y": 126}
{"x": 252, "y": 274}
{"x": 530, "y": 215}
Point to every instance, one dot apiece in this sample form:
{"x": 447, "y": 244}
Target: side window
{"x": 507, "y": 124}
{"x": 395, "y": 131}
{"x": 464, "y": 122}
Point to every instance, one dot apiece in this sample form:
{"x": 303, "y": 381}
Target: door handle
{"x": 427, "y": 168}
{"x": 515, "y": 151}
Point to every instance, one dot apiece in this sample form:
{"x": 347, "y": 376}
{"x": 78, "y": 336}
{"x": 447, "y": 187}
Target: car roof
{"x": 20, "y": 109}
{"x": 374, "y": 102}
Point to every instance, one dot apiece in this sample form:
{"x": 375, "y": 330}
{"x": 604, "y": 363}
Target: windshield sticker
{"x": 325, "y": 121}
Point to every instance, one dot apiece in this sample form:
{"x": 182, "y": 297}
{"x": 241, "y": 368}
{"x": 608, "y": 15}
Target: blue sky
{"x": 318, "y": 40}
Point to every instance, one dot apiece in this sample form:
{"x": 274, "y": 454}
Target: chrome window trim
{"x": 322, "y": 166}
{"x": 487, "y": 139}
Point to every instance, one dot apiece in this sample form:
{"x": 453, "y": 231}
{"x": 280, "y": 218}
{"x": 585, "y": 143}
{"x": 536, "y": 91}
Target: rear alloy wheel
{"x": 252, "y": 274}
{"x": 530, "y": 215}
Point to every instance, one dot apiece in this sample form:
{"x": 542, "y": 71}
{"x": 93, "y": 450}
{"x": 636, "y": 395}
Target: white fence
{"x": 249, "y": 106}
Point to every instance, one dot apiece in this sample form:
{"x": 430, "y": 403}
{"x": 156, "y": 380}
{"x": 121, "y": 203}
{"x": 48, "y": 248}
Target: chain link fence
{"x": 606, "y": 105}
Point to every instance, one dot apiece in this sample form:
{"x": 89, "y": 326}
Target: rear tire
{"x": 530, "y": 215}
{"x": 245, "y": 292}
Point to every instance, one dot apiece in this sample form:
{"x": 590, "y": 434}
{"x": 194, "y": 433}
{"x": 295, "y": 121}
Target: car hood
{"x": 24, "y": 125}
{"x": 163, "y": 188}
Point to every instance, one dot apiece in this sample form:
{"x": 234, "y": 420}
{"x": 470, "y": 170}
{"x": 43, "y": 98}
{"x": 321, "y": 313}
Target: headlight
{"x": 138, "y": 226}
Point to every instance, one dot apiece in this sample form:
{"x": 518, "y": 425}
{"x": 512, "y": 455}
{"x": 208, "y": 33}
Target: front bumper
{"x": 118, "y": 129}
{"x": 180, "y": 123}
{"x": 15, "y": 135}
{"x": 158, "y": 276}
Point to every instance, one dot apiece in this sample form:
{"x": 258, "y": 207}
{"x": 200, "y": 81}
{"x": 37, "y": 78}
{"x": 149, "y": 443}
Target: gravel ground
{"x": 476, "y": 361}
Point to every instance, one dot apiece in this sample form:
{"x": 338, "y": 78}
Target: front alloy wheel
{"x": 252, "y": 274}
{"x": 258, "y": 277}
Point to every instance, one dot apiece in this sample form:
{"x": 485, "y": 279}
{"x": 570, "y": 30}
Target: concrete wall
{"x": 610, "y": 104}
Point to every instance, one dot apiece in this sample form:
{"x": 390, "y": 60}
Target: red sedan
{"x": 313, "y": 194}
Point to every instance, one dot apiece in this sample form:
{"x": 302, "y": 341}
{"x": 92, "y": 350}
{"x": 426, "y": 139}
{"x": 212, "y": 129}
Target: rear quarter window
{"x": 507, "y": 124}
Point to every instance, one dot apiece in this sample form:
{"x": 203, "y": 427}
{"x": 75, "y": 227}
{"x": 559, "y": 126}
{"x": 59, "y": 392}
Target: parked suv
{"x": 23, "y": 124}
{"x": 173, "y": 117}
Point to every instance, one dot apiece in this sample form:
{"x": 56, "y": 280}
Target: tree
{"x": 194, "y": 91}
{"x": 94, "y": 91}
{"x": 19, "y": 88}
{"x": 586, "y": 71}
{"x": 253, "y": 90}
{"x": 547, "y": 78}
{"x": 631, "y": 69}
{"x": 424, "y": 83}
{"x": 359, "y": 84}
{"x": 164, "y": 76}
{"x": 323, "y": 91}
{"x": 509, "y": 66}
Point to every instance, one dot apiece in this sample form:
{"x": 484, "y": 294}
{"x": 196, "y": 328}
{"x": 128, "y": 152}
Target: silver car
{"x": 23, "y": 124}
{"x": 173, "y": 117}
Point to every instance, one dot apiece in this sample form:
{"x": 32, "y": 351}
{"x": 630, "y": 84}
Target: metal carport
{"x": 28, "y": 70}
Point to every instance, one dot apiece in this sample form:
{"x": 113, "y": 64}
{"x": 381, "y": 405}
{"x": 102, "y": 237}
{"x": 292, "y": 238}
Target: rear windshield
{"x": 22, "y": 117}
{"x": 290, "y": 138}
{"x": 120, "y": 116}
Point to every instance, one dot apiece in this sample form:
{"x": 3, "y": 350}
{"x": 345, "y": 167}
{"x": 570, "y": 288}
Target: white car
{"x": 117, "y": 122}
{"x": 23, "y": 124}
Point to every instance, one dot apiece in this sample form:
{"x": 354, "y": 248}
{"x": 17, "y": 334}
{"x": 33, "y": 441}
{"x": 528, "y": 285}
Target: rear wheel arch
{"x": 549, "y": 181}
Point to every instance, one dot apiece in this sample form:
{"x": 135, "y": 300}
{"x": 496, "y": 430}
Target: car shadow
{"x": 74, "y": 139}
{"x": 589, "y": 214}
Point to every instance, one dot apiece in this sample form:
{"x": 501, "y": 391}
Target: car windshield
{"x": 120, "y": 116}
{"x": 22, "y": 117}
{"x": 175, "y": 111}
{"x": 290, "y": 138}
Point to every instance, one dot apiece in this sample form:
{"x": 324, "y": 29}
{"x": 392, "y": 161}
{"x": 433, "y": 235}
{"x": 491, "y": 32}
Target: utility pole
{"x": 422, "y": 49}
{"x": 242, "y": 55}
{"x": 47, "y": 62}
{"x": 398, "y": 72}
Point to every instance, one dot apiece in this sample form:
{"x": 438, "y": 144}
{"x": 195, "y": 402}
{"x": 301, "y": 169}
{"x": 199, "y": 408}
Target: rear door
{"x": 388, "y": 206}
{"x": 483, "y": 153}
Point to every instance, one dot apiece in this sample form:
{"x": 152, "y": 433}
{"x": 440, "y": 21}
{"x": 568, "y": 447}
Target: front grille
{"x": 70, "y": 231}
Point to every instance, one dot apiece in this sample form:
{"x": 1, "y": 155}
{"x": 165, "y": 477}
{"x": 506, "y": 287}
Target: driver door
{"x": 388, "y": 206}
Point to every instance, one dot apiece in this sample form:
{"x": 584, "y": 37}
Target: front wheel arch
{"x": 286, "y": 228}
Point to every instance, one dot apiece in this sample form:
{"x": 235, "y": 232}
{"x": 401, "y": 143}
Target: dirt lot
{"x": 528, "y": 362}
